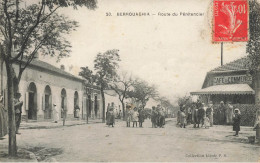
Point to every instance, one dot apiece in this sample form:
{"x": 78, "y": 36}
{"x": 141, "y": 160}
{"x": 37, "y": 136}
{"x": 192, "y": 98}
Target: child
{"x": 206, "y": 122}
{"x": 236, "y": 121}
{"x": 135, "y": 117}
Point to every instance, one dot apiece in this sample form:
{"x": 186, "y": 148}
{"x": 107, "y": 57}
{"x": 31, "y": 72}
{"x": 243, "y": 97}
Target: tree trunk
{"x": 103, "y": 104}
{"x": 12, "y": 150}
{"x": 123, "y": 108}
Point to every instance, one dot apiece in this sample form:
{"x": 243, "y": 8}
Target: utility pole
{"x": 221, "y": 53}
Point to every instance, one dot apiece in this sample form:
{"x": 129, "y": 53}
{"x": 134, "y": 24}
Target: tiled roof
{"x": 49, "y": 67}
{"x": 237, "y": 65}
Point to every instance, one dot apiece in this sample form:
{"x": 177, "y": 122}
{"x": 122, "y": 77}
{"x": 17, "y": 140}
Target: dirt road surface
{"x": 97, "y": 142}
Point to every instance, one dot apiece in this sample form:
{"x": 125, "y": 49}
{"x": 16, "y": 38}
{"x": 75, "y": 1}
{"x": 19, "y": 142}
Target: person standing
{"x": 183, "y": 119}
{"x": 55, "y": 114}
{"x": 154, "y": 117}
{"x": 141, "y": 116}
{"x": 135, "y": 117}
{"x": 128, "y": 115}
{"x": 3, "y": 118}
{"x": 220, "y": 114}
{"x": 229, "y": 113}
{"x": 108, "y": 108}
{"x": 18, "y": 111}
{"x": 189, "y": 115}
{"x": 195, "y": 115}
{"x": 209, "y": 113}
{"x": 77, "y": 109}
{"x": 111, "y": 117}
{"x": 236, "y": 121}
{"x": 257, "y": 119}
{"x": 201, "y": 114}
{"x": 64, "y": 112}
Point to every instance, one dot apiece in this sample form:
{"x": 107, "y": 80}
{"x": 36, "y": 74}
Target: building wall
{"x": 42, "y": 78}
{"x": 245, "y": 99}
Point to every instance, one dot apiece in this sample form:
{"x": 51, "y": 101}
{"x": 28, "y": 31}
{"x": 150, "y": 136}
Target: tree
{"x": 88, "y": 75}
{"x": 253, "y": 45}
{"x": 121, "y": 86}
{"x": 186, "y": 100}
{"x": 36, "y": 28}
{"x": 142, "y": 92}
{"x": 106, "y": 65}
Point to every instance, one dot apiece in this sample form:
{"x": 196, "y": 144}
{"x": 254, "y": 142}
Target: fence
{"x": 248, "y": 113}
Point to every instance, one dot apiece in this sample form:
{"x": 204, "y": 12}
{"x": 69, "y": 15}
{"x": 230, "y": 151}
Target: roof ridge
{"x": 51, "y": 67}
{"x": 230, "y": 65}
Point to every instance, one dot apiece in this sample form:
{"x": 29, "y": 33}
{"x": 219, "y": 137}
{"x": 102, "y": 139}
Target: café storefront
{"x": 228, "y": 83}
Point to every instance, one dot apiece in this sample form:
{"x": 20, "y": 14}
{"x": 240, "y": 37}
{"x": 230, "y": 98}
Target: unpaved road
{"x": 96, "y": 142}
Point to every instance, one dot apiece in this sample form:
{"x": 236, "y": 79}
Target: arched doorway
{"x": 47, "y": 99}
{"x": 76, "y": 103}
{"x": 63, "y": 101}
{"x": 32, "y": 102}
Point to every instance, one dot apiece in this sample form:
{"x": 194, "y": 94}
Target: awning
{"x": 225, "y": 89}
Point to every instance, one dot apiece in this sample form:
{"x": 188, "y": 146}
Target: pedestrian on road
{"x": 206, "y": 122}
{"x": 222, "y": 113}
{"x": 18, "y": 111}
{"x": 154, "y": 115}
{"x": 128, "y": 115}
{"x": 201, "y": 114}
{"x": 161, "y": 116}
{"x": 77, "y": 109}
{"x": 236, "y": 121}
{"x": 229, "y": 113}
{"x": 183, "y": 120}
{"x": 195, "y": 115}
{"x": 257, "y": 119}
{"x": 111, "y": 117}
{"x": 55, "y": 114}
{"x": 141, "y": 116}
{"x": 209, "y": 113}
{"x": 135, "y": 117}
{"x": 3, "y": 118}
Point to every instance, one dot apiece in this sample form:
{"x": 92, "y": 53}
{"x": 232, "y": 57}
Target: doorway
{"x": 47, "y": 103}
{"x": 32, "y": 102}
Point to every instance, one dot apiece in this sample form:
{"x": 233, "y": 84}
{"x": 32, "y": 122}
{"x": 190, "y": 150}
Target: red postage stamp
{"x": 230, "y": 20}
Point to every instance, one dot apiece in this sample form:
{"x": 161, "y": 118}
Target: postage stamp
{"x": 230, "y": 20}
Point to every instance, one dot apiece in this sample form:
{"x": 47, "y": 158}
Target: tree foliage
{"x": 122, "y": 85}
{"x": 253, "y": 45}
{"x": 105, "y": 66}
{"x": 87, "y": 74}
{"x": 142, "y": 92}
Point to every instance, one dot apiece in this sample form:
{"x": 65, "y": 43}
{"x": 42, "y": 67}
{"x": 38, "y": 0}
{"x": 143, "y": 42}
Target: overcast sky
{"x": 173, "y": 52}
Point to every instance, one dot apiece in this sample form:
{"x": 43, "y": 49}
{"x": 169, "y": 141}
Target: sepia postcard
{"x": 129, "y": 81}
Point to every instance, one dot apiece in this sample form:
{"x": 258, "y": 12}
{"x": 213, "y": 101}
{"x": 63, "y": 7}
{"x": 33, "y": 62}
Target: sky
{"x": 172, "y": 52}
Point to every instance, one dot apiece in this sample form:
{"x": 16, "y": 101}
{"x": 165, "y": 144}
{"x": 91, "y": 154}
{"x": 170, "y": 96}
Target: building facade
{"x": 231, "y": 82}
{"x": 43, "y": 85}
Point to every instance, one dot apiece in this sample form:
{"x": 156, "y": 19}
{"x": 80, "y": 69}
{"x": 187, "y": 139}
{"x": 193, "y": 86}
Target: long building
{"x": 43, "y": 85}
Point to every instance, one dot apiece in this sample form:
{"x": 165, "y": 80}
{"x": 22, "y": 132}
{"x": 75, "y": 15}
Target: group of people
{"x": 158, "y": 117}
{"x": 137, "y": 116}
{"x": 134, "y": 115}
{"x": 199, "y": 113}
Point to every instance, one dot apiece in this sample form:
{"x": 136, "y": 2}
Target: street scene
{"x": 129, "y": 81}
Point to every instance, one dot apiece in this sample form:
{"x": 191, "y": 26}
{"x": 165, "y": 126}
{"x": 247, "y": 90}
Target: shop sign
{"x": 235, "y": 79}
